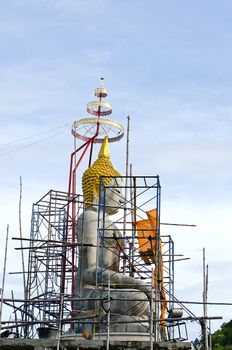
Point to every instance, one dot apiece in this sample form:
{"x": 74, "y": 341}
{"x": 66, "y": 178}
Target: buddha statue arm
{"x": 117, "y": 279}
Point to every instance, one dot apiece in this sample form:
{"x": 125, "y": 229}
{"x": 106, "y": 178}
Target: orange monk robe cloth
{"x": 147, "y": 230}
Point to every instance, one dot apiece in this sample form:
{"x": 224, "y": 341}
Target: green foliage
{"x": 222, "y": 339}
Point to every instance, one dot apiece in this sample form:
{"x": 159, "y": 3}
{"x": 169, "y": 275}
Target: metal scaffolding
{"x": 50, "y": 249}
{"x": 50, "y": 295}
{"x": 145, "y": 193}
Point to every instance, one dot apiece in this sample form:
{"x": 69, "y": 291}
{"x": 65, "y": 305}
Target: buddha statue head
{"x": 91, "y": 181}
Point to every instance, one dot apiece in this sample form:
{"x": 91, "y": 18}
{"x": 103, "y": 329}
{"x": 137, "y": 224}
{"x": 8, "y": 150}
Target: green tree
{"x": 222, "y": 339}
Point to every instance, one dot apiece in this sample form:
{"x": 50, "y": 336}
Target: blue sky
{"x": 167, "y": 64}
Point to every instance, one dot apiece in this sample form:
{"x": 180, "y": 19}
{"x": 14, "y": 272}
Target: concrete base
{"x": 118, "y": 324}
{"x": 71, "y": 343}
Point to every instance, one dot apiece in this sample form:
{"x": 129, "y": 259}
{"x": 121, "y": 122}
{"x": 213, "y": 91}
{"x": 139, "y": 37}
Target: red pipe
{"x": 67, "y": 215}
{"x": 97, "y": 132}
{"x": 72, "y": 189}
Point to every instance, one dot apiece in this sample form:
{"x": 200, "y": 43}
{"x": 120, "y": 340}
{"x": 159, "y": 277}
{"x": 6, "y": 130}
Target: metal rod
{"x": 157, "y": 280}
{"x": 97, "y": 130}
{"x": 126, "y": 184}
{"x": 133, "y": 222}
{"x": 108, "y": 317}
{"x": 152, "y": 310}
{"x": 68, "y": 298}
{"x": 73, "y": 220}
{"x": 75, "y": 319}
{"x": 47, "y": 259}
{"x": 60, "y": 320}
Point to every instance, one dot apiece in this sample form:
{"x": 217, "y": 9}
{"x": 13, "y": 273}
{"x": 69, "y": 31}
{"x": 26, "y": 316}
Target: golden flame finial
{"x": 91, "y": 177}
{"x": 105, "y": 149}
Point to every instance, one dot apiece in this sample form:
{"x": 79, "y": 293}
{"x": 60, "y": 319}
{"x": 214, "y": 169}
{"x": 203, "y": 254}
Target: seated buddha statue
{"x": 94, "y": 268}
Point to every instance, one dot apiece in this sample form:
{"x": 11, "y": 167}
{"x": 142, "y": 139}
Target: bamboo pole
{"x": 204, "y": 294}
{"x": 21, "y": 236}
{"x": 15, "y": 313}
{"x": 3, "y": 276}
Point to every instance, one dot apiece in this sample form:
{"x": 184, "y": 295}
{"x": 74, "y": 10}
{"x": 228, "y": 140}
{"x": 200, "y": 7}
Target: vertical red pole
{"x": 72, "y": 190}
{"x": 96, "y": 134}
{"x": 74, "y": 216}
